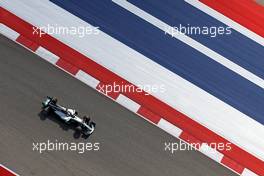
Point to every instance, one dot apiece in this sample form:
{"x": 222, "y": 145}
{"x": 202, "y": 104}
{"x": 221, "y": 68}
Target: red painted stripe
{"x": 149, "y": 114}
{"x": 190, "y": 139}
{"x": 232, "y": 164}
{"x": 27, "y": 43}
{"x": 153, "y": 104}
{"x": 5, "y": 172}
{"x": 245, "y": 12}
{"x": 110, "y": 92}
{"x": 67, "y": 66}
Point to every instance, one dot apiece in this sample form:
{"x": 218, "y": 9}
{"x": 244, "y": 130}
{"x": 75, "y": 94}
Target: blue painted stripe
{"x": 236, "y": 47}
{"x": 171, "y": 53}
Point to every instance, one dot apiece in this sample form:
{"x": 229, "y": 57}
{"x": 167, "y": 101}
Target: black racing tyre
{"x": 55, "y": 100}
{"x": 92, "y": 124}
{"x": 48, "y": 110}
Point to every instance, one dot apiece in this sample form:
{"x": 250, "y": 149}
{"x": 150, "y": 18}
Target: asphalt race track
{"x": 260, "y": 2}
{"x": 128, "y": 144}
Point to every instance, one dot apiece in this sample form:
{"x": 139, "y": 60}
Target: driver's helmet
{"x": 71, "y": 112}
{"x": 86, "y": 119}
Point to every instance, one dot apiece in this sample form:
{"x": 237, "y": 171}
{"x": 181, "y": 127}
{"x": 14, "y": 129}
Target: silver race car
{"x": 69, "y": 116}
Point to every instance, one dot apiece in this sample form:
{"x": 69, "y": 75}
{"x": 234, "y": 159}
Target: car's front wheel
{"x": 47, "y": 110}
{"x": 55, "y": 100}
{"x": 92, "y": 125}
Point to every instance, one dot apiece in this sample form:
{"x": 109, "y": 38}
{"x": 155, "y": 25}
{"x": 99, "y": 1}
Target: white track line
{"x": 47, "y": 55}
{"x": 6, "y": 31}
{"x": 191, "y": 42}
{"x": 169, "y": 128}
{"x": 128, "y": 103}
{"x": 229, "y": 22}
{"x": 87, "y": 79}
{"x": 211, "y": 153}
{"x": 12, "y": 172}
{"x": 247, "y": 172}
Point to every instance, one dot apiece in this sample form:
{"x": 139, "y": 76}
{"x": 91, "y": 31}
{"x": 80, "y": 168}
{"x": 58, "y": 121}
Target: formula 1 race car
{"x": 69, "y": 116}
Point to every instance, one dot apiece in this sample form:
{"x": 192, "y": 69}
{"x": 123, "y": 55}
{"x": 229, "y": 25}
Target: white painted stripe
{"x": 87, "y": 79}
{"x": 248, "y": 172}
{"x": 169, "y": 128}
{"x": 211, "y": 153}
{"x": 191, "y": 42}
{"x": 128, "y": 103}
{"x": 47, "y": 55}
{"x": 229, "y": 22}
{"x": 10, "y": 33}
{"x": 8, "y": 170}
